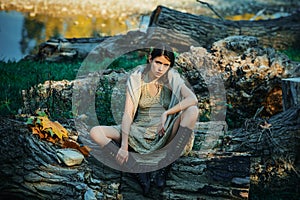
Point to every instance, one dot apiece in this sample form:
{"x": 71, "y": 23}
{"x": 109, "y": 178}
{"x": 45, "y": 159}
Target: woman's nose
{"x": 160, "y": 67}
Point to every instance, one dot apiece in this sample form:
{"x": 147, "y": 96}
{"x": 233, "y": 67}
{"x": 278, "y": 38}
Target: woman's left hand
{"x": 122, "y": 156}
{"x": 160, "y": 128}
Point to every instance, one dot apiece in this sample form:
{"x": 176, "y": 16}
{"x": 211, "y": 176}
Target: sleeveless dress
{"x": 143, "y": 136}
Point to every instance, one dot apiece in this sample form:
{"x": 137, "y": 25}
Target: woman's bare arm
{"x": 127, "y": 120}
{"x": 189, "y": 99}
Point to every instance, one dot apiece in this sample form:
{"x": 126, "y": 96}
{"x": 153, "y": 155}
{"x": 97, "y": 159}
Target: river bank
{"x": 27, "y": 24}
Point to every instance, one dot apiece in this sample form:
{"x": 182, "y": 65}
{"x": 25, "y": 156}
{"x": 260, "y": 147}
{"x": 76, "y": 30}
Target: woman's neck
{"x": 151, "y": 77}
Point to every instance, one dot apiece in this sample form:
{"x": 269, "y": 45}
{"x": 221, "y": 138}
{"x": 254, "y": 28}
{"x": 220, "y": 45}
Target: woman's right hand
{"x": 122, "y": 156}
{"x": 160, "y": 128}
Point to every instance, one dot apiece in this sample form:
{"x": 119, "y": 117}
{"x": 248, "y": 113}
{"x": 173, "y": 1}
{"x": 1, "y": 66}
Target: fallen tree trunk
{"x": 279, "y": 33}
{"x": 183, "y": 30}
{"x": 30, "y": 169}
{"x": 274, "y": 146}
{"x": 278, "y": 135}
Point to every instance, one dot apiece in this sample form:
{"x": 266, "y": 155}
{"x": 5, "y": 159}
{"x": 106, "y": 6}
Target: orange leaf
{"x": 50, "y": 139}
{"x": 35, "y": 130}
{"x": 72, "y": 144}
{"x": 56, "y": 127}
{"x": 85, "y": 150}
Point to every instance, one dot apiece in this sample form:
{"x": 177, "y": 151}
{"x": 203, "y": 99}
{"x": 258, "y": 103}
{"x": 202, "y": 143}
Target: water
{"x": 22, "y": 33}
{"x": 11, "y": 24}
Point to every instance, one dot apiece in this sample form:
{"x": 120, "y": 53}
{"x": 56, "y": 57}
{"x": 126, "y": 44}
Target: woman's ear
{"x": 149, "y": 59}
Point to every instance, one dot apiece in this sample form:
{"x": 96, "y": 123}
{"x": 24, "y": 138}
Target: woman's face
{"x": 159, "y": 66}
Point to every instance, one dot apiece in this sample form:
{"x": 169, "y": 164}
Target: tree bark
{"x": 274, "y": 147}
{"x": 281, "y": 33}
{"x": 30, "y": 169}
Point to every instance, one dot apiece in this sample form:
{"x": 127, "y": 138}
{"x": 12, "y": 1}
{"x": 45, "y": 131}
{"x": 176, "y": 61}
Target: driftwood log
{"x": 279, "y": 33}
{"x": 30, "y": 169}
{"x": 184, "y": 30}
{"x": 252, "y": 161}
{"x": 274, "y": 146}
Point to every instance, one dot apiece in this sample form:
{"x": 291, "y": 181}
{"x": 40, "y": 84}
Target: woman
{"x": 159, "y": 108}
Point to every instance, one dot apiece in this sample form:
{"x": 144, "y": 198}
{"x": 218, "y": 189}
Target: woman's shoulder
{"x": 139, "y": 68}
{"x": 136, "y": 72}
{"x": 173, "y": 73}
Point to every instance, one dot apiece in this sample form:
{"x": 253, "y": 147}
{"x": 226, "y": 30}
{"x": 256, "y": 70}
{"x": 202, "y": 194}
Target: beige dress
{"x": 143, "y": 137}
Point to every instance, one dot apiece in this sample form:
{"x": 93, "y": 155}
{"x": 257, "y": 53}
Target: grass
{"x": 17, "y": 76}
{"x": 22, "y": 75}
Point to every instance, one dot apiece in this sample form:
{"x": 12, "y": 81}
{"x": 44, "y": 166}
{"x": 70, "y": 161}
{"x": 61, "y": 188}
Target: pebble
{"x": 70, "y": 157}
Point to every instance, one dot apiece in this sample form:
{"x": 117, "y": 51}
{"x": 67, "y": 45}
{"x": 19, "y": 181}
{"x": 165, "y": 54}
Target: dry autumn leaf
{"x": 54, "y": 128}
{"x": 72, "y": 144}
{"x": 54, "y": 132}
{"x": 46, "y": 129}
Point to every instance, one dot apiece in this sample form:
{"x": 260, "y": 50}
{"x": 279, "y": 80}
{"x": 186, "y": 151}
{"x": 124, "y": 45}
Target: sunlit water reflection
{"x": 20, "y": 33}
{"x": 11, "y": 24}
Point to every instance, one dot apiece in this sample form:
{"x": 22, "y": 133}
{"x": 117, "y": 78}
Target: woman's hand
{"x": 122, "y": 156}
{"x": 160, "y": 128}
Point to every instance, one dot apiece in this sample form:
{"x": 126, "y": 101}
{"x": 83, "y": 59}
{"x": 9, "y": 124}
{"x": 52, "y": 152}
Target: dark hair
{"x": 163, "y": 50}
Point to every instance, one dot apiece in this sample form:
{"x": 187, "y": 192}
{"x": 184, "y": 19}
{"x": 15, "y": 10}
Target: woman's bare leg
{"x": 102, "y": 135}
{"x": 187, "y": 119}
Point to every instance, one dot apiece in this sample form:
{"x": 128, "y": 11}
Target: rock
{"x": 89, "y": 195}
{"x": 241, "y": 181}
{"x": 70, "y": 157}
{"x": 250, "y": 73}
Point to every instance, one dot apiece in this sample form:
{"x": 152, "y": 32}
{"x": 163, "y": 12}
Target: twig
{"x": 258, "y": 14}
{"x": 212, "y": 9}
{"x": 258, "y": 111}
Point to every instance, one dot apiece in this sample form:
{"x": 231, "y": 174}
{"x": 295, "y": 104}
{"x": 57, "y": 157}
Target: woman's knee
{"x": 190, "y": 116}
{"x": 192, "y": 111}
{"x": 95, "y": 132}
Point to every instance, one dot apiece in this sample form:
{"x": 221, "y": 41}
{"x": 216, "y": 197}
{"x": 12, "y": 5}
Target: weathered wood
{"x": 225, "y": 176}
{"x": 182, "y": 30}
{"x": 30, "y": 169}
{"x": 290, "y": 92}
{"x": 274, "y": 146}
{"x": 279, "y": 33}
